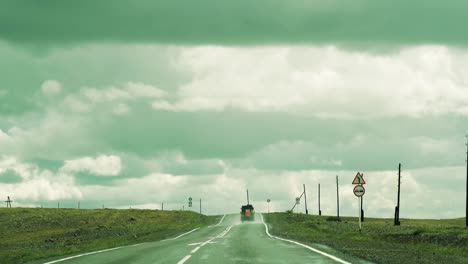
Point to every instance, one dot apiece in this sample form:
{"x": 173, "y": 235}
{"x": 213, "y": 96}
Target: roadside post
{"x": 268, "y": 201}
{"x": 8, "y": 202}
{"x": 359, "y": 192}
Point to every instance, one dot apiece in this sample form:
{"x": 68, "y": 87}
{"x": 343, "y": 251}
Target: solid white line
{"x": 184, "y": 259}
{"x": 225, "y": 232}
{"x": 308, "y": 247}
{"x": 90, "y": 253}
{"x": 195, "y": 250}
{"x": 110, "y": 249}
{"x": 221, "y": 220}
{"x": 174, "y": 238}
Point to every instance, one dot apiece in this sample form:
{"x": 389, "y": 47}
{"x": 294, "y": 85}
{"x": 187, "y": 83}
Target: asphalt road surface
{"x": 230, "y": 241}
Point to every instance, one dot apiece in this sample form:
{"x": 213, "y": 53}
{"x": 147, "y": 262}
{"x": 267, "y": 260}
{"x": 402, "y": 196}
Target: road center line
{"x": 302, "y": 245}
{"x": 195, "y": 250}
{"x": 182, "y": 261}
{"x": 220, "y": 221}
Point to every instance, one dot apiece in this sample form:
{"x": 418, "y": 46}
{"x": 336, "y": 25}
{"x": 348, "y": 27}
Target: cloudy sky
{"x": 134, "y": 104}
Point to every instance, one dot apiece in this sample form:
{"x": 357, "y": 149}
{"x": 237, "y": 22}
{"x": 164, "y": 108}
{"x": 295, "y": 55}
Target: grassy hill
{"x": 36, "y": 233}
{"x": 415, "y": 241}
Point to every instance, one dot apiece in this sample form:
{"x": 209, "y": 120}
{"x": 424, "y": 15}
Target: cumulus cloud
{"x": 51, "y": 87}
{"x": 323, "y": 81}
{"x": 103, "y": 165}
{"x": 131, "y": 91}
{"x": 37, "y": 184}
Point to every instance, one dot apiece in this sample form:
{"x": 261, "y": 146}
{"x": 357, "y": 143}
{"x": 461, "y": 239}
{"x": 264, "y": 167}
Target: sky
{"x": 137, "y": 103}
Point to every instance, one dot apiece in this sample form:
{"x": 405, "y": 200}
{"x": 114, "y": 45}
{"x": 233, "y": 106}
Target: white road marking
{"x": 221, "y": 220}
{"x": 110, "y": 249}
{"x": 222, "y": 234}
{"x": 195, "y": 250}
{"x": 302, "y": 245}
{"x": 174, "y": 238}
{"x": 184, "y": 259}
{"x": 90, "y": 253}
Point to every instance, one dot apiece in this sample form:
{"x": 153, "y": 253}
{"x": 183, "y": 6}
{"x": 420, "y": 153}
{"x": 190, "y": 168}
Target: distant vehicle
{"x": 247, "y": 211}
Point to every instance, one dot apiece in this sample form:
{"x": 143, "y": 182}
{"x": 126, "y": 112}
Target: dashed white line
{"x": 182, "y": 261}
{"x": 195, "y": 250}
{"x": 222, "y": 234}
{"x": 308, "y": 247}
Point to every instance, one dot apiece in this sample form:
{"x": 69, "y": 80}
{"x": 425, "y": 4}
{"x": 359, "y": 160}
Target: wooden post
{"x": 320, "y": 211}
{"x": 337, "y": 199}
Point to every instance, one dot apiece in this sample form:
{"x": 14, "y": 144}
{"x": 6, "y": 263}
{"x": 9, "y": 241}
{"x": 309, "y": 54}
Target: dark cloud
{"x": 234, "y": 22}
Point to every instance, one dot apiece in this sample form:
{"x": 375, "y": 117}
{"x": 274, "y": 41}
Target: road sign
{"x": 268, "y": 200}
{"x": 359, "y": 190}
{"x": 359, "y": 179}
{"x": 190, "y": 199}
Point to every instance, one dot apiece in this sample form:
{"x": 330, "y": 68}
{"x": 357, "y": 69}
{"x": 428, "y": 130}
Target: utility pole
{"x": 305, "y": 201}
{"x": 397, "y": 208}
{"x": 320, "y": 211}
{"x": 200, "y": 206}
{"x": 337, "y": 199}
{"x": 466, "y": 204}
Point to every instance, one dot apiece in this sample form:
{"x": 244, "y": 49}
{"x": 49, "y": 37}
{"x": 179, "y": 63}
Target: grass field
{"x": 35, "y": 233}
{"x": 415, "y": 241}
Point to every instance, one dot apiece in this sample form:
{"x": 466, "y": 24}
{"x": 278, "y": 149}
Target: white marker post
{"x": 359, "y": 192}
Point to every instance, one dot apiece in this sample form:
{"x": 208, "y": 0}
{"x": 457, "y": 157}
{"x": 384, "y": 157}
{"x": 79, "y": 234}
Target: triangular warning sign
{"x": 359, "y": 179}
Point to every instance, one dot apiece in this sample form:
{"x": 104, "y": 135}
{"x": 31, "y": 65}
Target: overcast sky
{"x": 131, "y": 104}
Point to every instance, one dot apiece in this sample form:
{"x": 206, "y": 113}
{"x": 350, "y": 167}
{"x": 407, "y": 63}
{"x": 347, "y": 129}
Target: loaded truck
{"x": 247, "y": 211}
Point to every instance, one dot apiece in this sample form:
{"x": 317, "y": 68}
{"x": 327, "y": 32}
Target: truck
{"x": 247, "y": 211}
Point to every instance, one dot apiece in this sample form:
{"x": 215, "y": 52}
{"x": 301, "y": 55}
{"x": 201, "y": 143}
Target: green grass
{"x": 34, "y": 233}
{"x": 415, "y": 241}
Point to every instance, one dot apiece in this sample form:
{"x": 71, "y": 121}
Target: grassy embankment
{"x": 415, "y": 241}
{"x": 35, "y": 233}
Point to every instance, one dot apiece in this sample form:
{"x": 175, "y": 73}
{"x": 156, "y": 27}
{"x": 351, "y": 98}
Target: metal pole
{"x": 337, "y": 199}
{"x": 305, "y": 201}
{"x": 362, "y": 210}
{"x": 320, "y": 211}
{"x": 359, "y": 215}
{"x": 397, "y": 208}
{"x": 248, "y": 202}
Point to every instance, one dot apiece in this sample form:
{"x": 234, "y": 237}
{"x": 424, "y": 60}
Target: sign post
{"x": 359, "y": 192}
{"x": 268, "y": 201}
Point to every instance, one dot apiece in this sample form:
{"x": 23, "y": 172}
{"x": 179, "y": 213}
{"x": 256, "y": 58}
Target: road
{"x": 230, "y": 241}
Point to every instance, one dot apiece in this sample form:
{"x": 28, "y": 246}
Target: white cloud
{"x": 324, "y": 81}
{"x": 37, "y": 184}
{"x": 131, "y": 91}
{"x": 102, "y": 165}
{"x": 51, "y": 87}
